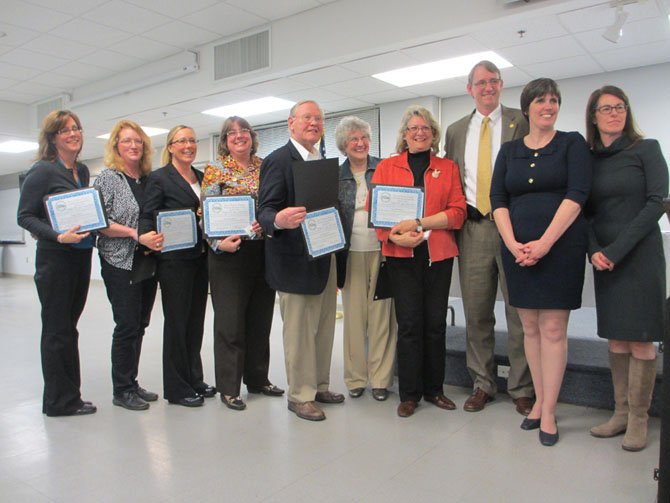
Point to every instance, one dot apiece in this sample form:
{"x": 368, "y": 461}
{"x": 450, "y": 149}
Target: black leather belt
{"x": 475, "y": 215}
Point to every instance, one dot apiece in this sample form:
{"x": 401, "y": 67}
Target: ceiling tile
{"x": 600, "y": 16}
{"x": 112, "y": 60}
{"x": 316, "y": 93}
{"x": 173, "y": 8}
{"x": 38, "y": 89}
{"x": 5, "y": 83}
{"x": 536, "y": 52}
{"x": 639, "y": 55}
{"x": 274, "y": 10}
{"x": 183, "y": 35}
{"x": 641, "y": 32}
{"x": 325, "y": 76}
{"x": 15, "y": 35}
{"x": 345, "y": 104}
{"x": 564, "y": 68}
{"x": 223, "y": 19}
{"x": 20, "y": 13}
{"x": 143, "y": 48}
{"x": 380, "y": 63}
{"x": 58, "y": 46}
{"x": 31, "y": 59}
{"x": 444, "y": 49}
{"x": 87, "y": 32}
{"x": 73, "y": 7}
{"x": 358, "y": 86}
{"x": 276, "y": 87}
{"x": 131, "y": 17}
{"x": 497, "y": 36}
{"x": 515, "y": 76}
{"x": 388, "y": 96}
{"x": 16, "y": 72}
{"x": 449, "y": 87}
{"x": 83, "y": 70}
{"x": 16, "y": 96}
{"x": 65, "y": 81}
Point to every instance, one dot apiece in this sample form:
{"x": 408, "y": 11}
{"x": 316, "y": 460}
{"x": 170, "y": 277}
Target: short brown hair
{"x": 535, "y": 89}
{"x": 227, "y": 126}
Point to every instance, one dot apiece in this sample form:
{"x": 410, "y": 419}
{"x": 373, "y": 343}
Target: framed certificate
{"x": 390, "y": 204}
{"x": 323, "y": 232}
{"x": 81, "y": 207}
{"x": 228, "y": 215}
{"x": 178, "y": 228}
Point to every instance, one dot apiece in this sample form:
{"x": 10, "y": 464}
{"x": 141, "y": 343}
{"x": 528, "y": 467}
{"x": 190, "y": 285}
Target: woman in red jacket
{"x": 420, "y": 255}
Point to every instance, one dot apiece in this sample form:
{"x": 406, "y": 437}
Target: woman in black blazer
{"x": 62, "y": 262}
{"x": 182, "y": 274}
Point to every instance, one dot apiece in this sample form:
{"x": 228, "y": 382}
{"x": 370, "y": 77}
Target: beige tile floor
{"x": 363, "y": 452}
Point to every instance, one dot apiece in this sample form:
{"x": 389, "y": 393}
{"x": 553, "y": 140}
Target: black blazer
{"x": 287, "y": 264}
{"x": 167, "y": 190}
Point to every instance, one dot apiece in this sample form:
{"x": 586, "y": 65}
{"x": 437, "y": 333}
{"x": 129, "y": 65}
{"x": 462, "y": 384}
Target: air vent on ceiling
{"x": 42, "y": 108}
{"x": 242, "y": 55}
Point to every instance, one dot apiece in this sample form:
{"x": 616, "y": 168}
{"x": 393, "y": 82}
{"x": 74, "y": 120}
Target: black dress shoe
{"x": 189, "y": 401}
{"x": 147, "y": 396}
{"x": 268, "y": 390}
{"x": 356, "y": 392}
{"x": 548, "y": 439}
{"x": 380, "y": 394}
{"x": 207, "y": 391}
{"x": 130, "y": 400}
{"x": 530, "y": 424}
{"x": 85, "y": 409}
{"x": 233, "y": 402}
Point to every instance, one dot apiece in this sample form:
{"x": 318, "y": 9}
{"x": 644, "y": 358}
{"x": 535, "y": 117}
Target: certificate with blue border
{"x": 228, "y": 215}
{"x": 390, "y": 204}
{"x": 178, "y": 228}
{"x": 81, "y": 207}
{"x": 323, "y": 232}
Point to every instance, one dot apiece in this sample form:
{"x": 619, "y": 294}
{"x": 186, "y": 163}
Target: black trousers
{"x": 243, "y": 308}
{"x": 421, "y": 294}
{"x": 184, "y": 296}
{"x": 62, "y": 278}
{"x": 131, "y": 308}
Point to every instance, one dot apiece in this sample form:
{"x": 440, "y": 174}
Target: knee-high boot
{"x": 619, "y": 420}
{"x": 641, "y": 378}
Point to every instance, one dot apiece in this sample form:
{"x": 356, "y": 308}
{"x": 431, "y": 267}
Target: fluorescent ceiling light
{"x": 440, "y": 70}
{"x": 17, "y": 146}
{"x": 150, "y": 131}
{"x": 253, "y": 107}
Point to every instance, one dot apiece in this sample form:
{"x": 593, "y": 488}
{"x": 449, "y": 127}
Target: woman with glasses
{"x": 630, "y": 181}
{"x": 369, "y": 334}
{"x": 420, "y": 254}
{"x": 128, "y": 158}
{"x": 539, "y": 185}
{"x": 62, "y": 262}
{"x": 182, "y": 273}
{"x": 242, "y": 300}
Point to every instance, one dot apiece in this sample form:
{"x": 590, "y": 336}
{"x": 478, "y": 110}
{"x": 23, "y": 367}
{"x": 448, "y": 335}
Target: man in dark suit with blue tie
{"x": 472, "y": 142}
{"x": 307, "y": 288}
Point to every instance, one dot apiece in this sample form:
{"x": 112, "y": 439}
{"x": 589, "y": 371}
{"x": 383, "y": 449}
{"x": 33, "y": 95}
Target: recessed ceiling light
{"x": 440, "y": 70}
{"x": 17, "y": 146}
{"x": 150, "y": 131}
{"x": 253, "y": 107}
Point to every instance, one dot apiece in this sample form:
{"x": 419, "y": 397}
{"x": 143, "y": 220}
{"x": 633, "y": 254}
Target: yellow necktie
{"x": 484, "y": 168}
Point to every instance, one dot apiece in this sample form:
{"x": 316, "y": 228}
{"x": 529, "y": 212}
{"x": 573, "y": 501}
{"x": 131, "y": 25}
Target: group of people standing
{"x": 520, "y": 203}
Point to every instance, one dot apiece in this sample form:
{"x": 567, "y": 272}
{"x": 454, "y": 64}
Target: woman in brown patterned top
{"x": 243, "y": 302}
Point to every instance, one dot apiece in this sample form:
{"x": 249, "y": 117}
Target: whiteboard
{"x": 9, "y": 229}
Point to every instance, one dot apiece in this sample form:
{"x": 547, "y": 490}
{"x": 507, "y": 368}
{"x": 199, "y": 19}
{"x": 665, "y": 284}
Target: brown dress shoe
{"x": 329, "y": 397}
{"x": 441, "y": 401}
{"x": 407, "y": 408}
{"x": 477, "y": 401}
{"x": 307, "y": 410}
{"x": 524, "y": 405}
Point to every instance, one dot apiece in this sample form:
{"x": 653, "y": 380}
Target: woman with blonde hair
{"x": 122, "y": 184}
{"x": 182, "y": 274}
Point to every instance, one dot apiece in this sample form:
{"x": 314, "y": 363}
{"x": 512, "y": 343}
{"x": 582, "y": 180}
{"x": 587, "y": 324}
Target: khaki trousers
{"x": 308, "y": 331}
{"x": 367, "y": 323}
{"x": 480, "y": 269}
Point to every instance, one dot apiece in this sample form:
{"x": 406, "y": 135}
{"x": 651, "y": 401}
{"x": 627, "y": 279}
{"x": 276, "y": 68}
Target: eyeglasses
{"x": 310, "y": 118}
{"x": 482, "y": 83}
{"x": 184, "y": 141}
{"x": 236, "y": 132}
{"x": 416, "y": 129}
{"x": 73, "y": 129}
{"x": 131, "y": 141}
{"x": 607, "y": 109}
{"x": 357, "y": 139}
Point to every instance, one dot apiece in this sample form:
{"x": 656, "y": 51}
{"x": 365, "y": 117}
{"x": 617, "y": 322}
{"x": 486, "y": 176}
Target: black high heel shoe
{"x": 549, "y": 439}
{"x": 530, "y": 424}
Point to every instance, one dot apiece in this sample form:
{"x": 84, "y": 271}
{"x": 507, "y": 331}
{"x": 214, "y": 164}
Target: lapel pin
{"x": 436, "y": 173}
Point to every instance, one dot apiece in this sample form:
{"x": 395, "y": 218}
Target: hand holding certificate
{"x": 178, "y": 228}
{"x": 390, "y": 204}
{"x": 228, "y": 215}
{"x": 323, "y": 232}
{"x": 81, "y": 207}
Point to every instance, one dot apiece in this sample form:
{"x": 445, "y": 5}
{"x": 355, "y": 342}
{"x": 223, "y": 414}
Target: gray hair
{"x": 487, "y": 65}
{"x": 300, "y": 103}
{"x": 424, "y": 113}
{"x": 348, "y": 125}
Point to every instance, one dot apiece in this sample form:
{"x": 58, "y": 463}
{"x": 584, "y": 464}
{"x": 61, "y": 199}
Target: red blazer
{"x": 443, "y": 193}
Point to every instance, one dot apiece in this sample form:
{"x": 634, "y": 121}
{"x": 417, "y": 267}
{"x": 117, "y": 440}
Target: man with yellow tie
{"x": 473, "y": 143}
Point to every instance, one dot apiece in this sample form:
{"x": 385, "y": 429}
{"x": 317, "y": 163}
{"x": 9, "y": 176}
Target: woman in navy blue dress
{"x": 539, "y": 185}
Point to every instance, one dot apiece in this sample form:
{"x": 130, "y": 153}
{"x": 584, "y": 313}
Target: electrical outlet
{"x": 503, "y": 371}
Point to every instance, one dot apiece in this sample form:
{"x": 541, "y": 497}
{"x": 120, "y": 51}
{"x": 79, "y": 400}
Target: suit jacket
{"x": 167, "y": 190}
{"x": 514, "y": 125}
{"x": 287, "y": 264}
